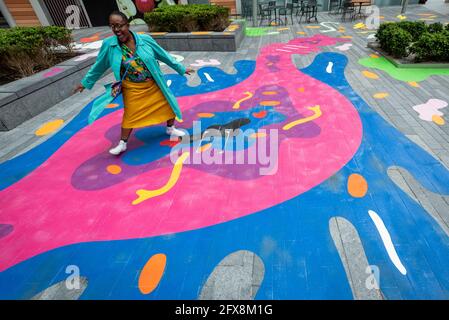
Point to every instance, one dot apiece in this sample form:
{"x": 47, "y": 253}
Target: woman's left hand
{"x": 189, "y": 71}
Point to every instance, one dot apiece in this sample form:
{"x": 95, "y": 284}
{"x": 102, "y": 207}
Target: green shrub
{"x": 394, "y": 40}
{"x": 188, "y": 18}
{"x": 432, "y": 47}
{"x": 447, "y": 27}
{"x": 415, "y": 28}
{"x": 435, "y": 27}
{"x": 24, "y": 49}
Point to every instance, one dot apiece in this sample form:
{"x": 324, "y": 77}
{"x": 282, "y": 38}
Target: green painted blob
{"x": 258, "y": 32}
{"x": 402, "y": 74}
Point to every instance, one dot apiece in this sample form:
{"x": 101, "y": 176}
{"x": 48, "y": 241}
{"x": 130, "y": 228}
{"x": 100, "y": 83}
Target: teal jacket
{"x": 110, "y": 56}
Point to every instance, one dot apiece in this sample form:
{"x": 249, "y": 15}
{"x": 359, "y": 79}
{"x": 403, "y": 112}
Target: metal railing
{"x": 67, "y": 13}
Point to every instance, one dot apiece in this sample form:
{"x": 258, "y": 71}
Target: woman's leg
{"x": 121, "y": 147}
{"x": 170, "y": 122}
{"x": 172, "y": 131}
{"x": 126, "y": 132}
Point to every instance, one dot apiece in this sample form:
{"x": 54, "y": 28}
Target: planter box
{"x": 228, "y": 40}
{"x": 25, "y": 98}
{"x": 401, "y": 63}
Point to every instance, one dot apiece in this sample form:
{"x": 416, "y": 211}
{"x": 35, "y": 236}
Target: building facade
{"x": 83, "y": 13}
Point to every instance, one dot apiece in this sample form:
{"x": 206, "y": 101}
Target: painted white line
{"x": 168, "y": 83}
{"x": 283, "y": 50}
{"x": 329, "y": 67}
{"x": 386, "y": 238}
{"x": 208, "y": 77}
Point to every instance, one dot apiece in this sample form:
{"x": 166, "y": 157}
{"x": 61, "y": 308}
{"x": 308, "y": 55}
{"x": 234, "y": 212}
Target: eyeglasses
{"x": 117, "y": 26}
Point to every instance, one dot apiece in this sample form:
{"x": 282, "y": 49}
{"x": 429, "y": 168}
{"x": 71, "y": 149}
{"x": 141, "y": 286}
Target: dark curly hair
{"x": 121, "y": 14}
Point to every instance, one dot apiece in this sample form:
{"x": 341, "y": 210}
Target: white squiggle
{"x": 386, "y": 238}
{"x": 168, "y": 83}
{"x": 208, "y": 77}
{"x": 283, "y": 50}
{"x": 329, "y": 67}
{"x": 330, "y": 26}
{"x": 296, "y": 46}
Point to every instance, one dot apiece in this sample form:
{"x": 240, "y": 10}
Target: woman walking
{"x": 133, "y": 59}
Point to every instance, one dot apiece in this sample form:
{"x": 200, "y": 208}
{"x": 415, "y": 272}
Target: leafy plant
{"x": 426, "y": 42}
{"x": 24, "y": 49}
{"x": 435, "y": 27}
{"x": 188, "y": 18}
{"x": 415, "y": 28}
{"x": 432, "y": 47}
{"x": 394, "y": 40}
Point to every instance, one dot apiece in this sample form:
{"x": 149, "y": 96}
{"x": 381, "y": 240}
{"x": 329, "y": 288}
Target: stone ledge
{"x": 25, "y": 98}
{"x": 227, "y": 41}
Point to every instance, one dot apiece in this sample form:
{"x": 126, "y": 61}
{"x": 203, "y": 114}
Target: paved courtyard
{"x": 354, "y": 206}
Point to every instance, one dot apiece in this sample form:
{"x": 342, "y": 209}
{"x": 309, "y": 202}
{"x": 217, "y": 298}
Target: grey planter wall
{"x": 228, "y": 40}
{"x": 25, "y": 98}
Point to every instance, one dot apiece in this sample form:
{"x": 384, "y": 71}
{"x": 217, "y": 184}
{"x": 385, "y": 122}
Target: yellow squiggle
{"x": 148, "y": 194}
{"x": 249, "y": 95}
{"x": 317, "y": 113}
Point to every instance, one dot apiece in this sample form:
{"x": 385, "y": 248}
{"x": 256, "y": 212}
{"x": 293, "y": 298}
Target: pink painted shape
{"x": 430, "y": 108}
{"x": 47, "y": 212}
{"x": 52, "y": 72}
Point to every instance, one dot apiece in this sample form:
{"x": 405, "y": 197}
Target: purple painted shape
{"x": 5, "y": 229}
{"x": 91, "y": 175}
{"x": 53, "y": 72}
{"x": 272, "y": 59}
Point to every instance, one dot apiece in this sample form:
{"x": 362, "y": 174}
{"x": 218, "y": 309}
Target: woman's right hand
{"x": 79, "y": 88}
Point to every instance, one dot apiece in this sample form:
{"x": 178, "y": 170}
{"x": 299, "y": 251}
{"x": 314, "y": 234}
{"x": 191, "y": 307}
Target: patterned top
{"x": 138, "y": 71}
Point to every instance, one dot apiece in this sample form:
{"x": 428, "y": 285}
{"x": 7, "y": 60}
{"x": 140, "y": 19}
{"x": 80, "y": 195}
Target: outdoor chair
{"x": 348, "y": 8}
{"x": 310, "y": 10}
{"x": 265, "y": 14}
{"x": 288, "y": 10}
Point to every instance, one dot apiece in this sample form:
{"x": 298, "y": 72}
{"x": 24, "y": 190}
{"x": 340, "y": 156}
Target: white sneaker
{"x": 172, "y": 131}
{"x": 121, "y": 147}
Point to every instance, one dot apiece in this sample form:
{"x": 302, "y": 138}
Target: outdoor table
{"x": 360, "y": 3}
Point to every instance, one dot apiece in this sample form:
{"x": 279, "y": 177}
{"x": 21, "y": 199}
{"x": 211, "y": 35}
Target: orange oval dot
{"x": 300, "y": 32}
{"x": 49, "y": 127}
{"x": 357, "y": 186}
{"x": 152, "y": 273}
{"x": 269, "y": 93}
{"x": 205, "y": 115}
{"x": 205, "y": 147}
{"x": 269, "y": 103}
{"x": 258, "y": 135}
{"x": 438, "y": 120}
{"x": 414, "y": 84}
{"x": 301, "y": 89}
{"x": 370, "y": 75}
{"x": 113, "y": 169}
{"x": 112, "y": 105}
{"x": 374, "y": 56}
{"x": 380, "y": 95}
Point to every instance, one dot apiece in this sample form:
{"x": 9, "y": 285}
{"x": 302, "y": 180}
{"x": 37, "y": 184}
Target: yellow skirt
{"x": 145, "y": 105}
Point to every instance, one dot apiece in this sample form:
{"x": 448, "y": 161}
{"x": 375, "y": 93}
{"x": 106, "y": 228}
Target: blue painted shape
{"x": 292, "y": 238}
{"x": 151, "y": 136}
{"x": 19, "y": 167}
{"x": 221, "y": 79}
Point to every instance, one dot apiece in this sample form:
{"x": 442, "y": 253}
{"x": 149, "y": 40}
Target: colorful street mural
{"x": 142, "y": 227}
